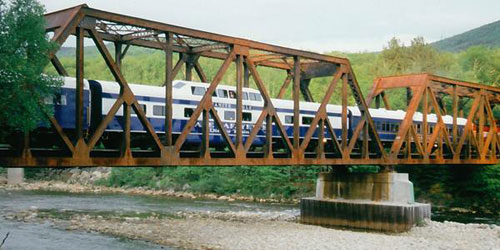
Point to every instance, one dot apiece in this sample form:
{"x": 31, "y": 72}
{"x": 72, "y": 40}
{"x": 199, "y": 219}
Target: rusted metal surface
{"x": 442, "y": 146}
{"x": 363, "y": 146}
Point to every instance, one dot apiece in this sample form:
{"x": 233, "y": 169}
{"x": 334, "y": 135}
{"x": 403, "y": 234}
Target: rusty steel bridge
{"x": 425, "y": 94}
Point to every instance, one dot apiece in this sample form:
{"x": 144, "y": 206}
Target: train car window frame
{"x": 188, "y": 112}
{"x": 222, "y": 93}
{"x": 245, "y": 95}
{"x": 385, "y": 126}
{"x": 289, "y": 119}
{"x": 307, "y": 120}
{"x": 197, "y": 90}
{"x": 158, "y": 110}
{"x": 229, "y": 115}
{"x": 179, "y": 85}
{"x": 394, "y": 127}
{"x": 144, "y": 108}
{"x": 232, "y": 94}
{"x": 247, "y": 117}
{"x": 259, "y": 97}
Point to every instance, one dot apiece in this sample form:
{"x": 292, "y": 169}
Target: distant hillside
{"x": 487, "y": 35}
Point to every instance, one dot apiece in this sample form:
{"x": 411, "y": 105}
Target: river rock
{"x": 223, "y": 198}
{"x": 96, "y": 175}
{"x": 3, "y": 180}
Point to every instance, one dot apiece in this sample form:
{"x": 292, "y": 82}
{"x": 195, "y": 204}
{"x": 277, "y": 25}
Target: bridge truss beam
{"x": 84, "y": 148}
{"x": 443, "y": 143}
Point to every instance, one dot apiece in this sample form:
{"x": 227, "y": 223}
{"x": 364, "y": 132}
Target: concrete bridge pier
{"x": 381, "y": 201}
{"x": 15, "y": 176}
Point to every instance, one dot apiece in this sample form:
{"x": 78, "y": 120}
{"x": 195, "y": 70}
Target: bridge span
{"x": 441, "y": 141}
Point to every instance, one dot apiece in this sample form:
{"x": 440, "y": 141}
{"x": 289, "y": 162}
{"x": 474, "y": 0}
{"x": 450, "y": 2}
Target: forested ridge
{"x": 472, "y": 187}
{"x": 487, "y": 35}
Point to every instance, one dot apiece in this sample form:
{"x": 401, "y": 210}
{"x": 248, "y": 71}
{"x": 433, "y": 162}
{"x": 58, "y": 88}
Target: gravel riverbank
{"x": 78, "y": 187}
{"x": 244, "y": 231}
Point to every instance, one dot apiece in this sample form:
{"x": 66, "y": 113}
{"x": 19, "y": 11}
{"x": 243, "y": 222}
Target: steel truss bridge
{"x": 425, "y": 93}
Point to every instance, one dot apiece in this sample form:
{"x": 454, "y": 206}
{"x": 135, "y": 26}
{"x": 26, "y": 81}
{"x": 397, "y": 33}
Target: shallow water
{"x": 45, "y": 236}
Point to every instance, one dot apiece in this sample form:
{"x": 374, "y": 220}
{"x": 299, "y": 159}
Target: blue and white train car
{"x": 99, "y": 97}
{"x": 186, "y": 97}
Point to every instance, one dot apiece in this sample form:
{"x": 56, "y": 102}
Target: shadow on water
{"x": 445, "y": 214}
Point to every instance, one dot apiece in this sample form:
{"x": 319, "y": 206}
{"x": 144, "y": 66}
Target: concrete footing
{"x": 375, "y": 201}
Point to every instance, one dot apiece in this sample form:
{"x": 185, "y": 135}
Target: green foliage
{"x": 364, "y": 169}
{"x": 473, "y": 187}
{"x": 24, "y": 51}
{"x": 284, "y": 182}
{"x": 133, "y": 177}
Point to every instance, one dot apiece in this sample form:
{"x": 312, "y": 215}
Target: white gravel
{"x": 242, "y": 231}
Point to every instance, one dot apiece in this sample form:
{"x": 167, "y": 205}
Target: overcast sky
{"x": 317, "y": 25}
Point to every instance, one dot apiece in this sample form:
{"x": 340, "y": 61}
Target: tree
{"x": 424, "y": 57}
{"x": 395, "y": 56}
{"x": 24, "y": 50}
{"x": 483, "y": 63}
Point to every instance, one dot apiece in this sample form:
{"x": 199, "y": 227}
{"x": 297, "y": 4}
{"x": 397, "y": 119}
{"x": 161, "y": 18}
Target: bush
{"x": 262, "y": 182}
{"x": 132, "y": 177}
{"x": 472, "y": 187}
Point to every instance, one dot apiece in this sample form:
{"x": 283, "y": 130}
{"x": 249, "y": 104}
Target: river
{"x": 45, "y": 236}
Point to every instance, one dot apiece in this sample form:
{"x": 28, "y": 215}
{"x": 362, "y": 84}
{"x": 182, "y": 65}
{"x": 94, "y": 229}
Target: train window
{"x": 198, "y": 90}
{"x": 431, "y": 129}
{"x": 378, "y": 125}
{"x": 289, "y": 119}
{"x": 252, "y": 96}
{"x": 179, "y": 85}
{"x": 61, "y": 100}
{"x": 258, "y": 97}
{"x": 188, "y": 112}
{"x": 232, "y": 94}
{"x": 143, "y": 106}
{"x": 222, "y": 93}
{"x": 395, "y": 127}
{"x": 158, "y": 110}
{"x": 245, "y": 96}
{"x": 247, "y": 117}
{"x": 229, "y": 115}
{"x": 58, "y": 99}
{"x": 418, "y": 128}
{"x": 306, "y": 120}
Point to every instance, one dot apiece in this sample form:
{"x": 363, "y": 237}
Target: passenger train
{"x": 99, "y": 96}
